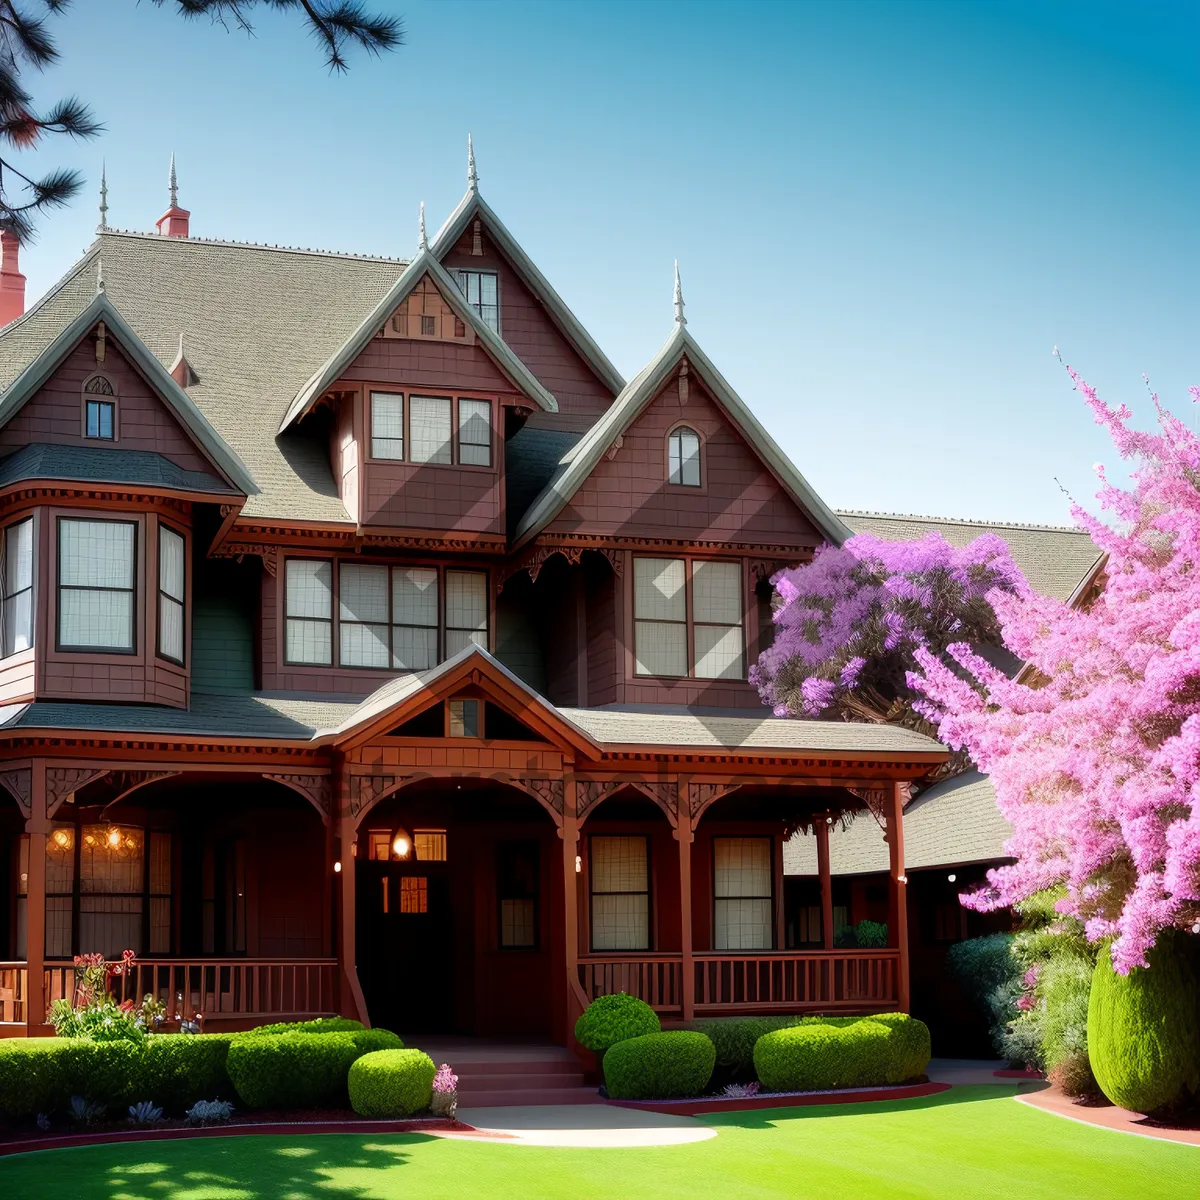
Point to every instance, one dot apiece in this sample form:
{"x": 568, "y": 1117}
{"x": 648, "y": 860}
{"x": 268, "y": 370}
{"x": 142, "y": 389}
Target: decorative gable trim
{"x": 472, "y": 211}
{"x": 102, "y": 318}
{"x": 425, "y": 264}
{"x": 679, "y": 351}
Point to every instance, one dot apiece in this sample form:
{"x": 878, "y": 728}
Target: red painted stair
{"x": 495, "y": 1074}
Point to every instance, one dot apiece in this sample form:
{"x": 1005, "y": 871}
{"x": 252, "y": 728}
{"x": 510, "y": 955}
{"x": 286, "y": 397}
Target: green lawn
{"x": 964, "y": 1143}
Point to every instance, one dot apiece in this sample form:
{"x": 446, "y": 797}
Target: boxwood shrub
{"x": 176, "y": 1070}
{"x": 300, "y": 1070}
{"x": 612, "y": 1019}
{"x": 391, "y": 1083}
{"x": 818, "y": 1057}
{"x": 40, "y": 1075}
{"x": 320, "y": 1025}
{"x": 910, "y": 1047}
{"x": 733, "y": 1039}
{"x": 659, "y": 1066}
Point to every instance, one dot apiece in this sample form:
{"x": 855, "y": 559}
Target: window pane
{"x": 742, "y": 925}
{"x": 170, "y": 628}
{"x": 96, "y": 553}
{"x": 742, "y": 866}
{"x": 96, "y": 620}
{"x": 415, "y": 596}
{"x": 660, "y": 649}
{"x": 658, "y": 589}
{"x": 719, "y": 652}
{"x": 363, "y": 594}
{"x": 475, "y": 433}
{"x": 516, "y": 923}
{"x": 309, "y": 588}
{"x": 170, "y": 563}
{"x": 387, "y": 425}
{"x": 466, "y": 600}
{"x": 717, "y": 593}
{"x": 363, "y": 645}
{"x": 619, "y": 864}
{"x": 464, "y": 718}
{"x": 430, "y": 420}
{"x": 18, "y": 622}
{"x": 110, "y": 924}
{"x": 414, "y": 648}
{"x": 110, "y": 859}
{"x": 309, "y": 641}
{"x": 621, "y": 922}
{"x": 18, "y": 557}
{"x": 684, "y": 458}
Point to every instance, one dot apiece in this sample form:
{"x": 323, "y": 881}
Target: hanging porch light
{"x": 401, "y": 844}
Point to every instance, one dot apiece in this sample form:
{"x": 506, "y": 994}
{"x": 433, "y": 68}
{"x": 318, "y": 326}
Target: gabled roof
{"x": 27, "y": 383}
{"x": 578, "y": 462}
{"x": 473, "y": 205}
{"x": 95, "y": 464}
{"x": 424, "y": 264}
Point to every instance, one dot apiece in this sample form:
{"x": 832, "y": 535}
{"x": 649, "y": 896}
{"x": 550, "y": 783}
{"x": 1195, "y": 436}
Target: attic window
{"x": 428, "y": 326}
{"x": 482, "y": 292}
{"x": 683, "y": 457}
{"x": 464, "y": 719}
{"x": 100, "y": 409}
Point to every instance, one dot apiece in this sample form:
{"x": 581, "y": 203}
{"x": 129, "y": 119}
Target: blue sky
{"x": 886, "y": 214}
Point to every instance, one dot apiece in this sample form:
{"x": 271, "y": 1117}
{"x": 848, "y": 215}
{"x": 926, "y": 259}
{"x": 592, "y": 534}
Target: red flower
{"x": 128, "y": 956}
{"x": 126, "y": 1006}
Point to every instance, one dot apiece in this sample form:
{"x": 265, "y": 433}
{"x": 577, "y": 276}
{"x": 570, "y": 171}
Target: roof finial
{"x": 99, "y": 276}
{"x": 472, "y": 174}
{"x": 423, "y": 243}
{"x": 103, "y": 197}
{"x": 174, "y": 184}
{"x": 680, "y": 319}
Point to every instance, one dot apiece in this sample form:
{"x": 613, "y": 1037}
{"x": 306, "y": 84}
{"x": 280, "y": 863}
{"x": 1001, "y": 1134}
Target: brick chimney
{"x": 12, "y": 282}
{"x": 174, "y": 222}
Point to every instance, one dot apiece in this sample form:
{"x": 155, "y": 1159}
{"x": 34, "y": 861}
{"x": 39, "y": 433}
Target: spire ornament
{"x": 680, "y": 319}
{"x": 103, "y": 197}
{"x": 472, "y": 173}
{"x": 173, "y": 184}
{"x": 423, "y": 241}
{"x": 99, "y": 276}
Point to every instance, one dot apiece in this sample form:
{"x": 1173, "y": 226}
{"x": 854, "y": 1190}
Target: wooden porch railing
{"x": 725, "y": 983}
{"x": 227, "y": 987}
{"x": 13, "y": 981}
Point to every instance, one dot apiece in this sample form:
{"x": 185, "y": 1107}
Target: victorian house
{"x": 371, "y": 646}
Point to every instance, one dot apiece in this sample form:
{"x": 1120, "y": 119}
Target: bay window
{"x": 170, "y": 593}
{"x": 96, "y": 565}
{"x": 475, "y": 433}
{"x": 743, "y": 916}
{"x": 688, "y": 618}
{"x": 437, "y": 430}
{"x": 620, "y": 893}
{"x": 309, "y": 611}
{"x": 16, "y": 581}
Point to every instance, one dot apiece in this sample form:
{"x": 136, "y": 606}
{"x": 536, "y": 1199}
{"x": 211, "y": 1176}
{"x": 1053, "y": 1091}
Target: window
{"x": 464, "y": 719}
{"x": 387, "y": 425}
{"x": 430, "y": 429}
{"x": 414, "y": 618}
{"x": 363, "y": 613}
{"x": 309, "y": 609}
{"x": 688, "y": 618}
{"x": 96, "y": 562}
{"x": 16, "y": 575}
{"x": 475, "y": 433}
{"x": 428, "y": 326}
{"x": 683, "y": 457}
{"x": 517, "y": 870}
{"x": 430, "y": 845}
{"x": 481, "y": 291}
{"x": 466, "y": 610}
{"x": 743, "y": 907}
{"x": 99, "y": 415}
{"x": 414, "y": 894}
{"x": 170, "y": 594}
{"x": 620, "y": 879}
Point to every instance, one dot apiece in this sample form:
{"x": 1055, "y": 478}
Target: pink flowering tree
{"x": 1094, "y": 753}
{"x": 848, "y": 624}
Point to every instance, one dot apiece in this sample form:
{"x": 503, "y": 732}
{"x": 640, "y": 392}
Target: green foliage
{"x": 990, "y": 974}
{"x": 300, "y": 1070}
{"x": 869, "y": 935}
{"x": 733, "y": 1040}
{"x": 1064, "y": 990}
{"x": 852, "y": 1052}
{"x": 659, "y": 1066}
{"x": 320, "y": 1025}
{"x": 1144, "y": 1028}
{"x": 102, "y": 1020}
{"x": 391, "y": 1083}
{"x": 612, "y": 1019}
{"x": 40, "y": 1075}
{"x": 178, "y": 1069}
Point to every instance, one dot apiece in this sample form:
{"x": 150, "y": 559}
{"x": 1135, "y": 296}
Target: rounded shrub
{"x": 822, "y": 1057}
{"x": 391, "y": 1083}
{"x": 1143, "y": 1029}
{"x": 733, "y": 1039}
{"x": 612, "y": 1019}
{"x": 299, "y": 1070}
{"x": 659, "y": 1066}
{"x": 910, "y": 1045}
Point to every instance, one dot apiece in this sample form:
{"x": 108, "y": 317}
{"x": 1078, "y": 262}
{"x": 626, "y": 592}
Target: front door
{"x": 405, "y": 946}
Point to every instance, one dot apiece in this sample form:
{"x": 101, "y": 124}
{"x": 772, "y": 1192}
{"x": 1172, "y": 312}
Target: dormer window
{"x": 99, "y": 409}
{"x": 439, "y": 431}
{"x": 483, "y": 295}
{"x": 683, "y": 457}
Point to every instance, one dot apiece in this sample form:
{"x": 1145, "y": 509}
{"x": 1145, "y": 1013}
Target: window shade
{"x": 620, "y": 893}
{"x": 170, "y": 593}
{"x": 429, "y": 429}
{"x": 18, "y": 587}
{"x": 415, "y": 617}
{"x": 717, "y": 617}
{"x": 363, "y": 612}
{"x": 742, "y": 890}
{"x": 309, "y": 606}
{"x": 466, "y": 610}
{"x": 660, "y": 612}
{"x": 475, "y": 433}
{"x": 387, "y": 425}
{"x": 96, "y": 580}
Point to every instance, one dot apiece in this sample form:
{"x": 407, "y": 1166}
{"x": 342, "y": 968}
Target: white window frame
{"x": 379, "y": 402}
{"x": 167, "y": 600}
{"x": 60, "y": 587}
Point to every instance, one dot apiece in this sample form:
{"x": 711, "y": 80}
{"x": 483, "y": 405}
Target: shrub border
{"x": 698, "y": 1107}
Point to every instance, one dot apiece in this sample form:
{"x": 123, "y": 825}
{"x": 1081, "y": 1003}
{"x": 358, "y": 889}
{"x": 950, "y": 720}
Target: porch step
{"x": 496, "y": 1074}
{"x": 471, "y": 1081}
{"x": 551, "y": 1096}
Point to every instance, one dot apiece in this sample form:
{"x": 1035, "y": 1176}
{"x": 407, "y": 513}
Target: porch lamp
{"x": 401, "y": 844}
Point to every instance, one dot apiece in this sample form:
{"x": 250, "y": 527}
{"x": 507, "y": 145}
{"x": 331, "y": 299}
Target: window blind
{"x": 429, "y": 429}
{"x": 475, "y": 433}
{"x": 387, "y": 425}
{"x": 363, "y": 615}
{"x": 309, "y": 608}
{"x": 415, "y": 618}
{"x": 660, "y": 616}
{"x": 17, "y": 600}
{"x": 96, "y": 584}
{"x": 620, "y": 886}
{"x": 742, "y": 891}
{"x": 717, "y": 619}
{"x": 466, "y": 610}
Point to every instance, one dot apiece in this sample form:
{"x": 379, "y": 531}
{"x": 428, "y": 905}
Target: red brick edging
{"x": 1018, "y": 1073}
{"x": 698, "y": 1108}
{"x": 1108, "y": 1116}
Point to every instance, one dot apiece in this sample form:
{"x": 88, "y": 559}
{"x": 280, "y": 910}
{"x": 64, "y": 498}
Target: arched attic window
{"x": 99, "y": 409}
{"x": 683, "y": 457}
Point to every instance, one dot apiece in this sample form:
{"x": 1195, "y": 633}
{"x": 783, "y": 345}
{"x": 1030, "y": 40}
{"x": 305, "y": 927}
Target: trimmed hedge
{"x": 847, "y": 1052}
{"x": 319, "y": 1025}
{"x": 733, "y": 1039}
{"x": 1143, "y": 1031}
{"x": 178, "y": 1069}
{"x": 300, "y": 1070}
{"x": 612, "y": 1019}
{"x": 391, "y": 1083}
{"x": 659, "y": 1066}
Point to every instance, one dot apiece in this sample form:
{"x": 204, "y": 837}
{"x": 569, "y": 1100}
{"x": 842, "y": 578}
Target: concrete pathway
{"x": 966, "y": 1071}
{"x": 586, "y": 1125}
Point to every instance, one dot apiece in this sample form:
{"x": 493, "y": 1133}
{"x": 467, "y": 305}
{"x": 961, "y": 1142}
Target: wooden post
{"x": 687, "y": 970}
{"x": 328, "y": 885}
{"x": 350, "y": 997}
{"x": 38, "y": 827}
{"x": 822, "y": 831}
{"x": 898, "y": 890}
{"x": 569, "y": 832}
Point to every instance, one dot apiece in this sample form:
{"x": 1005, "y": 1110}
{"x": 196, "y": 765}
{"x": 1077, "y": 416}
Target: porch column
{"x": 822, "y": 831}
{"x": 350, "y": 997}
{"x": 38, "y": 827}
{"x": 898, "y": 889}
{"x": 684, "y": 835}
{"x": 569, "y": 832}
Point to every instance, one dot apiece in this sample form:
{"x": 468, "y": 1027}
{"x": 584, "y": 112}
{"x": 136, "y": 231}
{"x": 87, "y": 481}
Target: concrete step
{"x": 522, "y": 1096}
{"x": 463, "y": 1067}
{"x": 518, "y": 1081}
